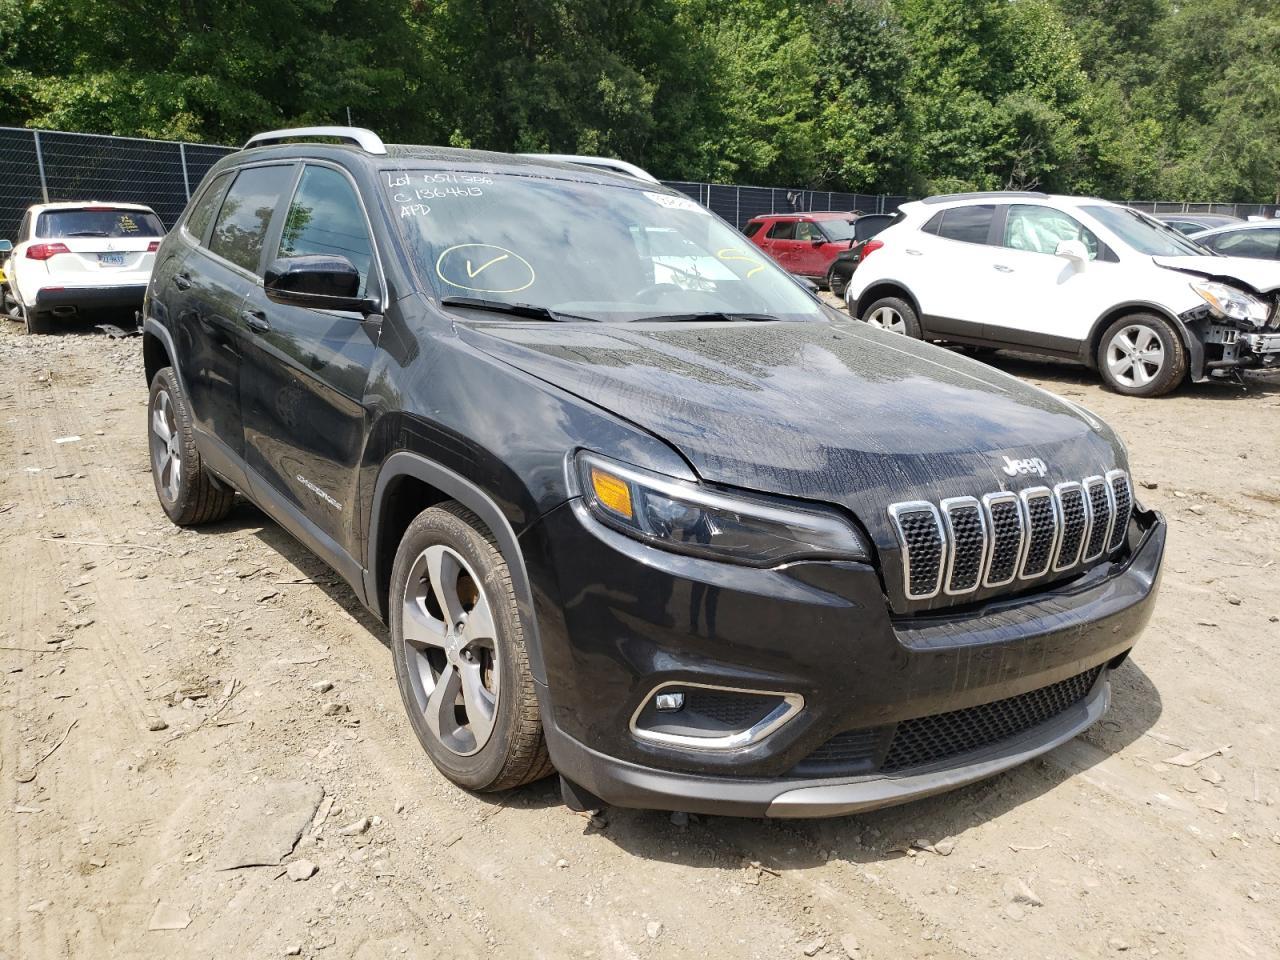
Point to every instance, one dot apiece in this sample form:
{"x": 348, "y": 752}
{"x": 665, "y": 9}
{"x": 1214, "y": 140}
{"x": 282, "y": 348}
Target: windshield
{"x": 609, "y": 253}
{"x": 99, "y": 222}
{"x": 1144, "y": 234}
{"x": 837, "y": 229}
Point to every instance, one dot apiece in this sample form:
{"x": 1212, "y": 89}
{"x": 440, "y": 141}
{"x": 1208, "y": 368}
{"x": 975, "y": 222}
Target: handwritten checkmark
{"x": 471, "y": 274}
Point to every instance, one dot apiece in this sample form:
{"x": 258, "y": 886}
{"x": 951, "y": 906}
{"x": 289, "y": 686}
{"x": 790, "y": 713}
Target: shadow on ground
{"x": 1064, "y": 377}
{"x": 720, "y": 842}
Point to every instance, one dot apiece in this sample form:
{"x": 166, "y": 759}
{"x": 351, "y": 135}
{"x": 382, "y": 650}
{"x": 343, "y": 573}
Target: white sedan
{"x": 73, "y": 258}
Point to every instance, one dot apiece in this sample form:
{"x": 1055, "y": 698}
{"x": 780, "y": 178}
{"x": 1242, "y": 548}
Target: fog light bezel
{"x": 788, "y": 708}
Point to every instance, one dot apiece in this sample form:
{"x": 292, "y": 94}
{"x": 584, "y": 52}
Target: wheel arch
{"x": 887, "y": 288}
{"x": 158, "y": 351}
{"x": 409, "y": 483}
{"x": 1089, "y": 352}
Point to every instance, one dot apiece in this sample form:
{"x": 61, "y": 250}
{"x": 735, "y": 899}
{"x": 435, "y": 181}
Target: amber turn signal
{"x": 612, "y": 492}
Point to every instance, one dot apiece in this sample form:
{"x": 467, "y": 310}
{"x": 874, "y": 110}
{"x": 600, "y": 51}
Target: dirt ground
{"x": 112, "y": 621}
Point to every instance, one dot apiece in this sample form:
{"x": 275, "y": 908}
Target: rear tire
{"x": 1142, "y": 355}
{"x": 35, "y": 322}
{"x": 893, "y": 314}
{"x": 835, "y": 285}
{"x": 462, "y": 666}
{"x": 12, "y": 308}
{"x": 189, "y": 494}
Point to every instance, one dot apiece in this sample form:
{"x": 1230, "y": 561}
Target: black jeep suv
{"x": 635, "y": 506}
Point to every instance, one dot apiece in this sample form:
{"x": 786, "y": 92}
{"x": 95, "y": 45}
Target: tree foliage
{"x": 1152, "y": 98}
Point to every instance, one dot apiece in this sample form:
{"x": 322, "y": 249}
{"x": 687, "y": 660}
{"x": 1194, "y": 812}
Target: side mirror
{"x": 6, "y": 246}
{"x": 808, "y": 285}
{"x": 1073, "y": 250}
{"x": 818, "y": 241}
{"x": 318, "y": 282}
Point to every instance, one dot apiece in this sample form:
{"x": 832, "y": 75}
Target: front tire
{"x": 893, "y": 314}
{"x": 1142, "y": 355}
{"x": 460, "y": 657}
{"x": 188, "y": 493}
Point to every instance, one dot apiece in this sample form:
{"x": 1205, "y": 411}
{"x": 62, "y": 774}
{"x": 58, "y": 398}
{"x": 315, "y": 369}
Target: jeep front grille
{"x": 965, "y": 543}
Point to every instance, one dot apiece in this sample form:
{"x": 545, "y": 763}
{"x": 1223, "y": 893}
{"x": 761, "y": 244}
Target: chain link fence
{"x": 1242, "y": 210}
{"x": 739, "y": 204}
{"x": 43, "y": 166}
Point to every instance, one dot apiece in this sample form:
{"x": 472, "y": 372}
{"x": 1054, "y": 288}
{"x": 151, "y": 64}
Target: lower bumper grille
{"x": 927, "y": 740}
{"x": 930, "y": 739}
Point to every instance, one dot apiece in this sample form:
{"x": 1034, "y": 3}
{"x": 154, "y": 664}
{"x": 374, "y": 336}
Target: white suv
{"x": 74, "y": 257}
{"x": 1070, "y": 277}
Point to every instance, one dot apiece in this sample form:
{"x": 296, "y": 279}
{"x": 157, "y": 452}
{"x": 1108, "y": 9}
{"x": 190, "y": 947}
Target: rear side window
{"x": 325, "y": 217}
{"x": 99, "y": 222}
{"x": 783, "y": 230}
{"x": 752, "y": 228}
{"x": 246, "y": 212}
{"x": 1259, "y": 244}
{"x": 202, "y": 213}
{"x": 966, "y": 224}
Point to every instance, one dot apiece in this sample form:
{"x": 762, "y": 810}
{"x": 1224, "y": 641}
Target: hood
{"x": 838, "y": 413}
{"x": 1261, "y": 276}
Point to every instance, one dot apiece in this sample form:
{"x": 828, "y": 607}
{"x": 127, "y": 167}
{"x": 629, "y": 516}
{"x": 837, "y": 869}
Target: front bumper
{"x": 617, "y": 619}
{"x": 91, "y": 298}
{"x": 1219, "y": 347}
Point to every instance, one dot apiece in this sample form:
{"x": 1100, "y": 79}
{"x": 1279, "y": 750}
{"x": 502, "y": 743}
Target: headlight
{"x": 688, "y": 518}
{"x": 1229, "y": 302}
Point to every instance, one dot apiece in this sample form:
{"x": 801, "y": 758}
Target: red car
{"x": 803, "y": 243}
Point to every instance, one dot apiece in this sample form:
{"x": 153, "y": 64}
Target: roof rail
{"x": 366, "y": 140}
{"x": 986, "y": 195}
{"x": 600, "y": 163}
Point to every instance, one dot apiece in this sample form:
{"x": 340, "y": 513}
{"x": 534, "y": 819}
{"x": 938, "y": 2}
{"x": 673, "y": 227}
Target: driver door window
{"x": 325, "y": 217}
{"x": 1037, "y": 229}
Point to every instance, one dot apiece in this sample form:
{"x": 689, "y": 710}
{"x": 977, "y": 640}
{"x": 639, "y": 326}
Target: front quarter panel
{"x": 504, "y": 431}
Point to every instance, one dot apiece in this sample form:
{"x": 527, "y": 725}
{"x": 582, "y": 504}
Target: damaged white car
{"x": 1071, "y": 277}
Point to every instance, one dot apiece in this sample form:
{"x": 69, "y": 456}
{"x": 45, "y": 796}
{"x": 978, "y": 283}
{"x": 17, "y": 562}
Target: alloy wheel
{"x": 887, "y": 318}
{"x": 451, "y": 649}
{"x": 1135, "y": 355}
{"x": 166, "y": 446}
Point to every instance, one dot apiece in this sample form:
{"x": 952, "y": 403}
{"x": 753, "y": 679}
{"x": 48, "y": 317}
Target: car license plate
{"x": 111, "y": 259}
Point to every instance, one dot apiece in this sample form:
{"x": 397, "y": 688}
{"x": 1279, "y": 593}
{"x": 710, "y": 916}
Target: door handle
{"x": 182, "y": 281}
{"x": 914, "y": 253}
{"x": 256, "y": 320}
{"x": 1002, "y": 268}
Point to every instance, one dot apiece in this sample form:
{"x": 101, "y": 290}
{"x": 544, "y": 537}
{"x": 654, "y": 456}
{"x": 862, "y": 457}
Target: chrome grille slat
{"x": 1008, "y": 537}
{"x": 1101, "y": 513}
{"x": 1075, "y": 524}
{"x": 968, "y": 536}
{"x": 964, "y": 544}
{"x": 924, "y": 547}
{"x": 1044, "y": 528}
{"x": 1122, "y": 499}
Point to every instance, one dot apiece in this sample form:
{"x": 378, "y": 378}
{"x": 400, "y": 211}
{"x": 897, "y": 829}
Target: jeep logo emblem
{"x": 1030, "y": 465}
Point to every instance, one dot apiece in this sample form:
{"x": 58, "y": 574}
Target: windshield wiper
{"x": 88, "y": 233}
{"x": 712, "y": 316}
{"x": 530, "y": 310}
